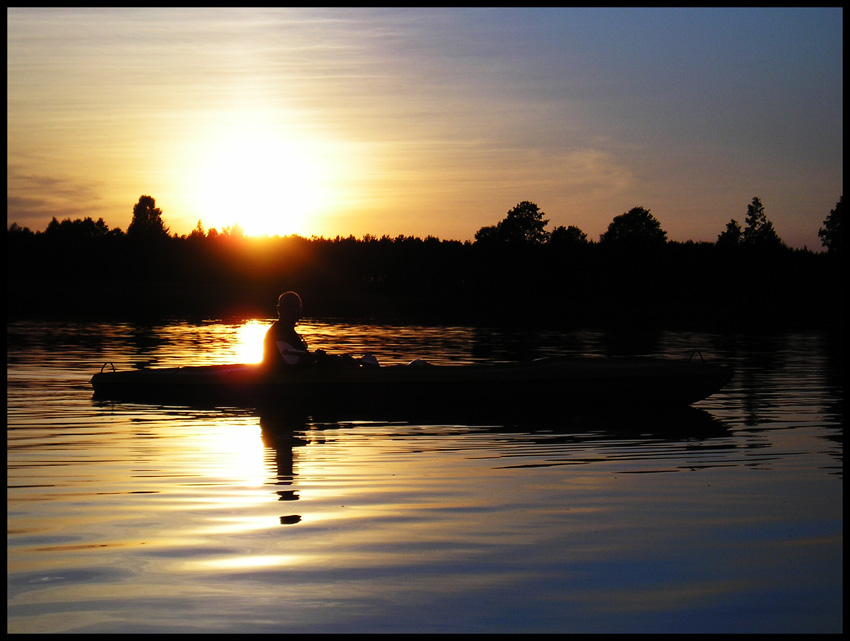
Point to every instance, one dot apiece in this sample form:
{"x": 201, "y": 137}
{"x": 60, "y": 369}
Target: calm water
{"x": 125, "y": 517}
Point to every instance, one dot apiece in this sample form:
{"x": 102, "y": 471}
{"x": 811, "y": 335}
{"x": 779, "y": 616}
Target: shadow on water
{"x": 566, "y": 437}
{"x": 674, "y": 423}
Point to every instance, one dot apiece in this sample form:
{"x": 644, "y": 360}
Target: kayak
{"x": 551, "y": 382}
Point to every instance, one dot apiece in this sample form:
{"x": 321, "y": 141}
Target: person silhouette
{"x": 282, "y": 345}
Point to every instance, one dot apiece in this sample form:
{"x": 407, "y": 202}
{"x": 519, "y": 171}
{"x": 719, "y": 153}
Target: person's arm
{"x": 291, "y": 355}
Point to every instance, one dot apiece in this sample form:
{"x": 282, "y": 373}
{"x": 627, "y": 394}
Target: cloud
{"x": 33, "y": 199}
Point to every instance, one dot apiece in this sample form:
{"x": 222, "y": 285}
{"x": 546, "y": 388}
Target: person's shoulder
{"x": 273, "y": 332}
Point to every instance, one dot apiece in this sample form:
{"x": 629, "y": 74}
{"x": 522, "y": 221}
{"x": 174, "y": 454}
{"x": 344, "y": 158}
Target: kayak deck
{"x": 566, "y": 382}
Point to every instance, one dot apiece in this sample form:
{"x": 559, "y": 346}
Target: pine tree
{"x": 832, "y": 232}
{"x": 758, "y": 230}
{"x": 731, "y": 236}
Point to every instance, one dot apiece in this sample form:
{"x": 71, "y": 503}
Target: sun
{"x": 261, "y": 179}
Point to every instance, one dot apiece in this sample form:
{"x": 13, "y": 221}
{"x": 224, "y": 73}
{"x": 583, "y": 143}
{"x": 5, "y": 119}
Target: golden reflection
{"x": 253, "y": 562}
{"x": 249, "y": 341}
{"x": 245, "y": 472}
{"x": 233, "y": 453}
{"x": 242, "y": 523}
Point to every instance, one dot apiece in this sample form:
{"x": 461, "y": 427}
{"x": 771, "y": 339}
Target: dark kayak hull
{"x": 585, "y": 382}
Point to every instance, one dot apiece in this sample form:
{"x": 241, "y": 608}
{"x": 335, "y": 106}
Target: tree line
{"x": 515, "y": 271}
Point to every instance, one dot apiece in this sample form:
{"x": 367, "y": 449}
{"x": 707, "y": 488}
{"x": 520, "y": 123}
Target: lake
{"x": 126, "y": 517}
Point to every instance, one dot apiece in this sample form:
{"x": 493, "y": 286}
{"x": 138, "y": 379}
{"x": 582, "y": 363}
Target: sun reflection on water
{"x": 249, "y": 341}
{"x": 232, "y": 510}
{"x": 233, "y": 453}
{"x": 255, "y": 562}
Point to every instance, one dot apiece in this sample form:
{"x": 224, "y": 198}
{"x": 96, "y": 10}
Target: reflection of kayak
{"x": 552, "y": 382}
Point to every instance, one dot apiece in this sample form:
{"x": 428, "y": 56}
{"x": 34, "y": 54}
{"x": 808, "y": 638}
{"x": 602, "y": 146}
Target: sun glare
{"x": 265, "y": 182}
{"x": 249, "y": 342}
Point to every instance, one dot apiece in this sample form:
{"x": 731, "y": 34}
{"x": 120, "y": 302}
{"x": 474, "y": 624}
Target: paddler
{"x": 282, "y": 346}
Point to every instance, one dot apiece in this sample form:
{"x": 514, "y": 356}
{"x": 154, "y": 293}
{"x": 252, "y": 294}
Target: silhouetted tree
{"x": 198, "y": 233}
{"x": 571, "y": 235}
{"x": 147, "y": 220}
{"x": 234, "y": 232}
{"x": 759, "y": 230}
{"x": 635, "y": 228}
{"x": 16, "y": 230}
{"x": 82, "y": 267}
{"x": 523, "y": 225}
{"x": 832, "y": 232}
{"x": 74, "y": 230}
{"x": 731, "y": 236}
{"x": 487, "y": 234}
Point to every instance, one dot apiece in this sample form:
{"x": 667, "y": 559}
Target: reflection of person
{"x": 282, "y": 433}
{"x": 282, "y": 345}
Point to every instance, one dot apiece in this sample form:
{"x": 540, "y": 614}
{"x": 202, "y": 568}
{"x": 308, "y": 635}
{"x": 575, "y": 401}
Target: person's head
{"x": 289, "y": 307}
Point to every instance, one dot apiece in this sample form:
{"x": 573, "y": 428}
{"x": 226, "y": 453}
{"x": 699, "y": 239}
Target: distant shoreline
{"x": 410, "y": 280}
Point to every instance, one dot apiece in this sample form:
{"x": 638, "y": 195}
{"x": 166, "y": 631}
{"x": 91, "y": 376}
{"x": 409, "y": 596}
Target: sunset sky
{"x": 422, "y": 122}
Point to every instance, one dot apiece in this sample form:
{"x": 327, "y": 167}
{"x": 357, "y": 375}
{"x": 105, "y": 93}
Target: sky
{"x": 425, "y": 121}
